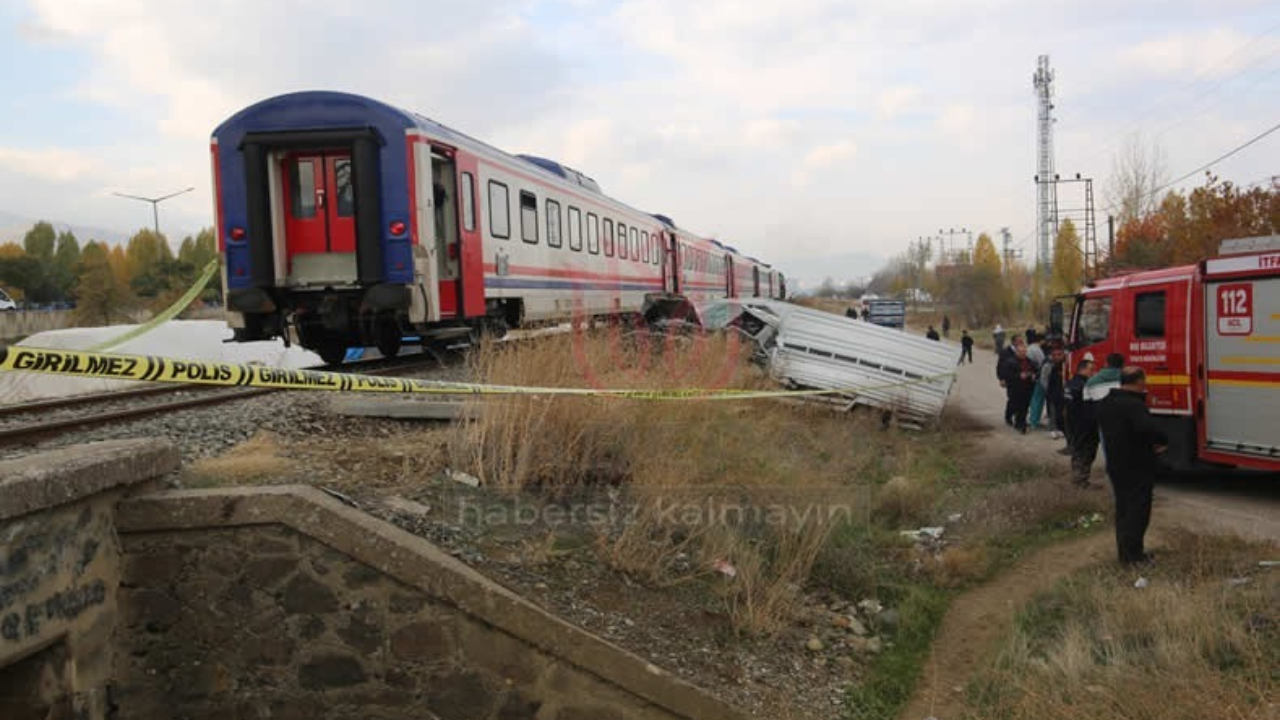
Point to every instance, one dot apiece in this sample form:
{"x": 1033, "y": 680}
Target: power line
{"x": 1209, "y": 164}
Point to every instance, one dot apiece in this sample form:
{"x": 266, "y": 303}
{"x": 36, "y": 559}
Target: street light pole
{"x": 155, "y": 204}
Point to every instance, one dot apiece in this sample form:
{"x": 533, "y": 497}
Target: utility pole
{"x": 1046, "y": 187}
{"x": 155, "y": 202}
{"x": 1111, "y": 241}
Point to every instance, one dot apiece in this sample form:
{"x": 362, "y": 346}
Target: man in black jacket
{"x": 1082, "y": 425}
{"x": 1018, "y": 374}
{"x": 1134, "y": 445}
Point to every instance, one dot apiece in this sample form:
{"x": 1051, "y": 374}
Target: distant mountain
{"x": 14, "y": 227}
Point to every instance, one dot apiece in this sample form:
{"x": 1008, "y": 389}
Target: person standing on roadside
{"x": 1036, "y": 354}
{"x": 1019, "y": 376}
{"x": 1053, "y": 378}
{"x": 946, "y": 326}
{"x": 1105, "y": 380}
{"x": 1133, "y": 460}
{"x": 998, "y": 336}
{"x": 966, "y": 347}
{"x": 1082, "y": 425}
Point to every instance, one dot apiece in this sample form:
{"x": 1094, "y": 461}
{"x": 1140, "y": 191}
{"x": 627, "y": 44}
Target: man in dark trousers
{"x": 1004, "y": 357}
{"x": 1082, "y": 425}
{"x": 946, "y": 326}
{"x": 966, "y": 347}
{"x": 1018, "y": 374}
{"x": 932, "y": 334}
{"x": 1134, "y": 445}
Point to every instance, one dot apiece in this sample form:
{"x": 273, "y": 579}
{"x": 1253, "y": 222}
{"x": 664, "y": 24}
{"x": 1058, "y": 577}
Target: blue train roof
{"x": 563, "y": 171}
{"x": 666, "y": 220}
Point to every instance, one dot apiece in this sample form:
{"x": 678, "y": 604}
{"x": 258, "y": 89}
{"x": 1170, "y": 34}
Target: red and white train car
{"x": 346, "y": 222}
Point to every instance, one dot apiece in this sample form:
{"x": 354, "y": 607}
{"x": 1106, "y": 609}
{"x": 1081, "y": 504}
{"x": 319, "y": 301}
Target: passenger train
{"x": 346, "y": 222}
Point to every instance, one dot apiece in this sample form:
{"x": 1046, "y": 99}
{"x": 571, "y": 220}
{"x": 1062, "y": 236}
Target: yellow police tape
{"x": 149, "y": 368}
{"x": 168, "y": 314}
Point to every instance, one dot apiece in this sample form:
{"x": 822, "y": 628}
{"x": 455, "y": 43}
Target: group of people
{"x": 966, "y": 340}
{"x": 1090, "y": 407}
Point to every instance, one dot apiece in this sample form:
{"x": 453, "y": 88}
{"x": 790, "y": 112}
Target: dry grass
{"x": 757, "y": 484}
{"x": 1192, "y": 645}
{"x": 255, "y": 461}
{"x": 906, "y": 501}
{"x": 960, "y": 565}
{"x": 1043, "y": 499}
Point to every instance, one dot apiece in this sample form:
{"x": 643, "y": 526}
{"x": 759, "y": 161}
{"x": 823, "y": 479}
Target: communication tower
{"x": 1046, "y": 185}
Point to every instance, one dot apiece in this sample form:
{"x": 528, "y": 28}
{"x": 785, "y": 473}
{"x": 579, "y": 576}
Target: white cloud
{"x": 738, "y": 119}
{"x": 896, "y": 101}
{"x": 1206, "y": 54}
{"x": 49, "y": 164}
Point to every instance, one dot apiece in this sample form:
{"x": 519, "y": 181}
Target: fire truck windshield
{"x": 1093, "y": 320}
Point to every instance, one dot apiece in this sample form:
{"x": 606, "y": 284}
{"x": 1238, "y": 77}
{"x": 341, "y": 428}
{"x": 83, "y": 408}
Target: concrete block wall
{"x": 284, "y": 603}
{"x": 59, "y": 570}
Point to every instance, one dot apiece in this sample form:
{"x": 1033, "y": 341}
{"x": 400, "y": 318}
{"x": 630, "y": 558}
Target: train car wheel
{"x": 332, "y": 352}
{"x": 387, "y": 337}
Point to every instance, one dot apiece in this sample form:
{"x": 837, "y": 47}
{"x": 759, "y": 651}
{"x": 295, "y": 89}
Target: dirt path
{"x": 979, "y": 620}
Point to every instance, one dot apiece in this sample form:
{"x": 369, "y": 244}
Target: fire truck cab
{"x": 1208, "y": 337}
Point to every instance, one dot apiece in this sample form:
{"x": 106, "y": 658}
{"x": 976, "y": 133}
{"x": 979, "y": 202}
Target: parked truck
{"x": 1208, "y": 337}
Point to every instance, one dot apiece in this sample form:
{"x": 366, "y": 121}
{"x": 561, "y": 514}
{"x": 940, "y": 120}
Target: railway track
{"x": 52, "y": 417}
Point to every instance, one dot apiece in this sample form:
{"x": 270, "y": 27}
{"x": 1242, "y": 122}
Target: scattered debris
{"x": 1141, "y": 583}
{"x": 463, "y": 478}
{"x": 1239, "y": 581}
{"x": 871, "y": 607}
{"x": 405, "y": 506}
{"x": 1087, "y": 521}
{"x": 726, "y": 568}
{"x": 815, "y": 644}
{"x": 1269, "y": 563}
{"x": 339, "y": 496}
{"x": 954, "y": 517}
{"x": 857, "y": 628}
{"x": 924, "y": 534}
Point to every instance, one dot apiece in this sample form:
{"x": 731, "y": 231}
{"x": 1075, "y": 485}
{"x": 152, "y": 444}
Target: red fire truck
{"x": 1208, "y": 337}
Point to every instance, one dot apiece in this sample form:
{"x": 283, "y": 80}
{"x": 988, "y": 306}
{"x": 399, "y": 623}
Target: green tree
{"x": 65, "y": 260}
{"x": 39, "y": 242}
{"x": 1068, "y": 261}
{"x": 101, "y": 296}
{"x": 151, "y": 264}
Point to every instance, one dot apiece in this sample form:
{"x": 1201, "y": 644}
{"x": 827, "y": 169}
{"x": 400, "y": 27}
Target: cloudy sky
{"x": 820, "y": 135}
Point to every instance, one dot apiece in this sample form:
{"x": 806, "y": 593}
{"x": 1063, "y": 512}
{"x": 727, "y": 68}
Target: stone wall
{"x": 284, "y": 603}
{"x": 59, "y": 570}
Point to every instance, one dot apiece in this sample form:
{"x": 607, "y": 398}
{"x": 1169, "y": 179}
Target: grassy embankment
{"x": 1201, "y": 642}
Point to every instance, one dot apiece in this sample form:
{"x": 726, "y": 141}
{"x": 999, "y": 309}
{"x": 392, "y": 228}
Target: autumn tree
{"x": 102, "y": 297}
{"x": 1068, "y": 261}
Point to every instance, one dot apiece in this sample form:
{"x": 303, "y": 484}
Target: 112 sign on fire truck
{"x": 1208, "y": 337}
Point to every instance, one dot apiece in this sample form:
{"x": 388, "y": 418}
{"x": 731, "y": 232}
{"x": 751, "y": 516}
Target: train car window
{"x": 575, "y": 229}
{"x": 499, "y": 210}
{"x": 344, "y": 188}
{"x": 1148, "y": 309}
{"x": 608, "y": 237}
{"x": 635, "y": 244}
{"x": 553, "y": 224}
{"x": 302, "y": 183}
{"x": 622, "y": 241}
{"x": 593, "y": 233}
{"x": 646, "y": 248}
{"x": 528, "y": 217}
{"x": 1095, "y": 320}
{"x": 468, "y": 202}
